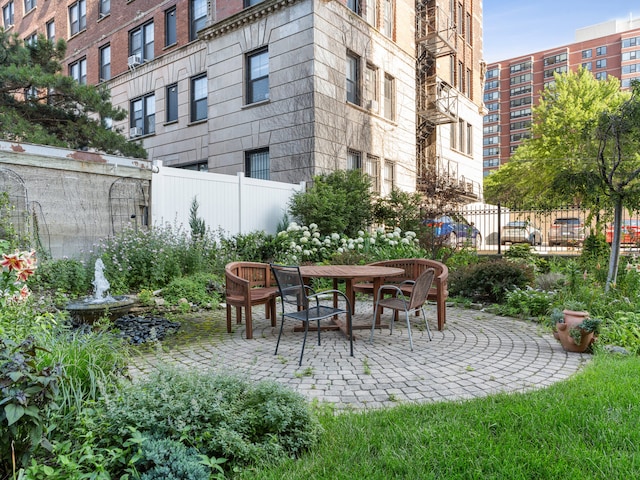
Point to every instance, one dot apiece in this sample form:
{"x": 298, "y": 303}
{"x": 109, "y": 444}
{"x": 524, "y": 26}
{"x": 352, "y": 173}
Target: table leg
{"x": 377, "y": 283}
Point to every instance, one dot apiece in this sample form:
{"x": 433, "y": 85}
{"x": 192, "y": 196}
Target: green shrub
{"x": 490, "y": 281}
{"x": 27, "y": 394}
{"x": 200, "y": 289}
{"x": 221, "y": 416}
{"x": 595, "y": 256}
{"x": 622, "y": 330}
{"x": 527, "y": 303}
{"x": 67, "y": 275}
{"x": 166, "y": 459}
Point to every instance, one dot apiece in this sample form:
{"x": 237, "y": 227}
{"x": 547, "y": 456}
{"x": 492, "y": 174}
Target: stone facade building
{"x": 285, "y": 89}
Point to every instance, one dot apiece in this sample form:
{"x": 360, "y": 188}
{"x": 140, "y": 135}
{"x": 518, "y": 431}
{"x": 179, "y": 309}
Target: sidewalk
{"x": 477, "y": 354}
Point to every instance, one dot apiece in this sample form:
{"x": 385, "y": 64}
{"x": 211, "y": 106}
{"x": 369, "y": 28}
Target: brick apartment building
{"x": 284, "y": 89}
{"x": 513, "y": 86}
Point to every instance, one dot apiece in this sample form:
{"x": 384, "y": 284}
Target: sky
{"x": 516, "y": 27}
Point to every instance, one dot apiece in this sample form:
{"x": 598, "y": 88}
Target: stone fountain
{"x": 101, "y": 304}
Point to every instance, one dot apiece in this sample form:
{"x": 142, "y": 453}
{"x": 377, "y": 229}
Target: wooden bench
{"x": 249, "y": 284}
{"x": 413, "y": 267}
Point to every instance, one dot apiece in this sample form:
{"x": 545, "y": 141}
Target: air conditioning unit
{"x": 372, "y": 105}
{"x": 134, "y": 60}
{"x": 135, "y": 132}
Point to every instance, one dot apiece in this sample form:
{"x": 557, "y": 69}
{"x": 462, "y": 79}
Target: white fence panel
{"x": 233, "y": 204}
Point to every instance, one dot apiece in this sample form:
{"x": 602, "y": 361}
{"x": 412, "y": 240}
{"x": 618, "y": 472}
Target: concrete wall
{"x": 69, "y": 192}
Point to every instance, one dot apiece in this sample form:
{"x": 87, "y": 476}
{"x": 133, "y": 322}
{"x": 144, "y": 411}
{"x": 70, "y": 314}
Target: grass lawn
{"x": 585, "y": 428}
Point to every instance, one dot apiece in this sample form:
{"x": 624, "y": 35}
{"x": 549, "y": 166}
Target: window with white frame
{"x": 31, "y": 39}
{"x": 602, "y": 63}
{"x": 353, "y": 78}
{"x": 354, "y": 160}
{"x": 601, "y": 50}
{"x": 29, "y": 5}
{"x": 388, "y": 17}
{"x": 197, "y": 17}
{"x": 170, "y": 31}
{"x": 371, "y": 13}
{"x": 7, "y": 15}
{"x": 258, "y": 76}
{"x": 199, "y": 104}
{"x": 105, "y": 62}
{"x": 389, "y": 97}
{"x": 354, "y": 6}
{"x": 77, "y": 17}
{"x": 78, "y": 71}
{"x": 142, "y": 115}
{"x": 257, "y": 164}
{"x": 141, "y": 42}
{"x": 389, "y": 175}
{"x": 370, "y": 88}
{"x": 371, "y": 168}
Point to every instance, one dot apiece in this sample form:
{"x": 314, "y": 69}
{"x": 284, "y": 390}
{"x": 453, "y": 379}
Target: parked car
{"x": 521, "y": 231}
{"x": 566, "y": 231}
{"x": 630, "y": 232}
{"x": 454, "y": 230}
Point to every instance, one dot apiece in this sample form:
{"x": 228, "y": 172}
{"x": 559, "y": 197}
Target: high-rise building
{"x": 513, "y": 86}
{"x": 285, "y": 89}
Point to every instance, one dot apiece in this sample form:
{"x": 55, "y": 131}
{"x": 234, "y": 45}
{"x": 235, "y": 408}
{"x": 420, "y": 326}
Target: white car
{"x": 521, "y": 232}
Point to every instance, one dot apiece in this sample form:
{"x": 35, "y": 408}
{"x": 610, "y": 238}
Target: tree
{"x": 556, "y": 166}
{"x": 337, "y": 202}
{"x": 40, "y": 105}
{"x": 400, "y": 209}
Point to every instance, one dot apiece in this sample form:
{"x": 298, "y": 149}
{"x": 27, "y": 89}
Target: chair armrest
{"x": 324, "y": 292}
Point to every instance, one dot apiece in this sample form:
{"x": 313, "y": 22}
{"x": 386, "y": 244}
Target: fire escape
{"x": 436, "y": 100}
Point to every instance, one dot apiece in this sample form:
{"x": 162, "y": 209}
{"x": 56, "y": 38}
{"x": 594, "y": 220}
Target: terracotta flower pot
{"x": 573, "y": 318}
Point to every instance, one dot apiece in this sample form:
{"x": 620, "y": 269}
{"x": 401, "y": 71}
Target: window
{"x": 371, "y": 167}
{"x": 520, "y": 79}
{"x": 493, "y": 73}
{"x": 491, "y": 162}
{"x": 524, "y": 112}
{"x": 493, "y": 117}
{"x": 633, "y": 68}
{"x": 199, "y": 92}
{"x": 353, "y": 78}
{"x": 467, "y": 28}
{"x": 172, "y": 103}
{"x": 31, "y": 39}
{"x": 453, "y": 136}
{"x": 520, "y": 67}
{"x": 601, "y": 63}
{"x": 601, "y": 75}
{"x": 520, "y": 90}
{"x": 389, "y": 175}
{"x": 258, "y": 76}
{"x": 141, "y": 42}
{"x": 7, "y": 15}
{"x": 491, "y": 151}
{"x": 601, "y": 51}
{"x": 630, "y": 42}
{"x": 586, "y": 53}
{"x": 459, "y": 18}
{"x": 388, "y": 19}
{"x": 104, "y": 8}
{"x": 143, "y": 115}
{"x": 520, "y": 102}
{"x": 31, "y": 93}
{"x": 389, "y": 97}
{"x": 198, "y": 166}
{"x": 492, "y": 107}
{"x": 78, "y": 17}
{"x": 170, "y": 33}
{"x": 469, "y": 145}
{"x": 197, "y": 17}
{"x": 587, "y": 66}
{"x": 29, "y": 5}
{"x": 632, "y": 55}
{"x": 370, "y": 88}
{"x": 78, "y": 71}
{"x": 460, "y": 73}
{"x": 105, "y": 63}
{"x": 491, "y": 129}
{"x": 371, "y": 13}
{"x": 562, "y": 57}
{"x": 491, "y": 140}
{"x": 51, "y": 30}
{"x": 354, "y": 160}
{"x": 249, "y": 3}
{"x": 520, "y": 125}
{"x": 491, "y": 85}
{"x": 550, "y": 73}
{"x": 467, "y": 84}
{"x": 488, "y": 97}
{"x": 354, "y": 5}
{"x": 257, "y": 164}
{"x": 517, "y": 137}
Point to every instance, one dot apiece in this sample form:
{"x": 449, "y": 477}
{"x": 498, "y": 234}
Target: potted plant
{"x": 575, "y": 336}
{"x": 574, "y": 312}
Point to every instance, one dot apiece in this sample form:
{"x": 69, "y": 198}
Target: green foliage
{"x": 399, "y": 209}
{"x": 527, "y": 303}
{"x": 223, "y": 416}
{"x": 166, "y": 459}
{"x": 200, "y": 289}
{"x": 28, "y": 393}
{"x": 490, "y": 281}
{"x": 595, "y": 256}
{"x": 463, "y": 257}
{"x": 57, "y": 111}
{"x": 65, "y": 275}
{"x": 337, "y": 202}
{"x": 622, "y": 330}
{"x": 248, "y": 247}
{"x": 588, "y": 325}
{"x": 197, "y": 225}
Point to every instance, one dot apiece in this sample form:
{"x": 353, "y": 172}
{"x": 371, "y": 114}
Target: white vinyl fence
{"x": 232, "y": 204}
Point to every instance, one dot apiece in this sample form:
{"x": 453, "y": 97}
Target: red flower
{"x": 15, "y": 261}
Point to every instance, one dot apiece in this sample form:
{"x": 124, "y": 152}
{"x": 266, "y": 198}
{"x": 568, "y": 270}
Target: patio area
{"x": 477, "y": 354}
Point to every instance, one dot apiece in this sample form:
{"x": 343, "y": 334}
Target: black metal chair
{"x": 304, "y": 303}
{"x": 399, "y": 302}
